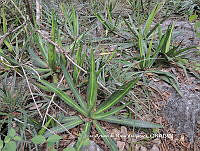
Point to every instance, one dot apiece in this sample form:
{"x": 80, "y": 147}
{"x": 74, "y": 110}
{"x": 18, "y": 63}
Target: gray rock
{"x": 182, "y": 112}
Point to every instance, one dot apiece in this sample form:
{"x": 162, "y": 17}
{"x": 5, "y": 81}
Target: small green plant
{"x": 13, "y": 97}
{"x": 10, "y": 141}
{"x": 194, "y": 18}
{"x": 146, "y": 37}
{"x": 183, "y": 7}
{"x": 46, "y": 64}
{"x": 90, "y": 112}
{"x": 51, "y": 141}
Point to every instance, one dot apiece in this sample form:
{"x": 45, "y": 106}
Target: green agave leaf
{"x": 3, "y": 15}
{"x": 112, "y": 145}
{"x": 79, "y": 60}
{"x": 106, "y": 114}
{"x": 171, "y": 81}
{"x": 64, "y": 97}
{"x": 130, "y": 122}
{"x": 162, "y": 46}
{"x": 169, "y": 78}
{"x": 52, "y": 57}
{"x": 11, "y": 133}
{"x": 92, "y": 88}
{"x": 143, "y": 49}
{"x": 71, "y": 85}
{"x": 75, "y": 23}
{"x": 84, "y": 136}
{"x": 176, "y": 53}
{"x": 9, "y": 45}
{"x": 171, "y": 52}
{"x": 51, "y": 50}
{"x": 162, "y": 42}
{"x": 116, "y": 96}
{"x": 131, "y": 26}
{"x": 36, "y": 60}
{"x": 156, "y": 26}
{"x": 41, "y": 44}
{"x": 42, "y": 86}
{"x": 17, "y": 138}
{"x": 9, "y": 59}
{"x": 103, "y": 64}
{"x": 149, "y": 60}
{"x": 60, "y": 129}
{"x": 171, "y": 28}
{"x": 66, "y": 119}
{"x": 43, "y": 130}
{"x": 151, "y": 18}
{"x": 104, "y": 22}
{"x": 166, "y": 39}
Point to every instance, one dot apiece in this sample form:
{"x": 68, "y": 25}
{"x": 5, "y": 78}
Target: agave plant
{"x": 46, "y": 62}
{"x": 90, "y": 113}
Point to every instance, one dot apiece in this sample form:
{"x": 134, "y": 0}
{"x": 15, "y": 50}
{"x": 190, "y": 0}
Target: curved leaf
{"x": 116, "y": 96}
{"x": 64, "y": 97}
{"x": 130, "y": 122}
{"x": 60, "y": 129}
{"x": 102, "y": 115}
{"x": 151, "y": 18}
{"x": 66, "y": 119}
